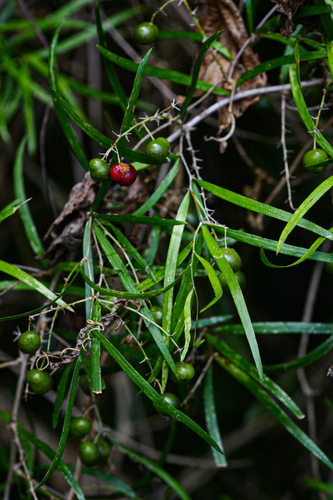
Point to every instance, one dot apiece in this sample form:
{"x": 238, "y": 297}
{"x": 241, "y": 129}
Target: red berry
{"x": 123, "y": 174}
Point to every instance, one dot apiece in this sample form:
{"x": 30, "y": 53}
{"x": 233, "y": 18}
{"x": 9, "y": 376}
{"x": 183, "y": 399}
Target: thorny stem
{"x": 284, "y": 148}
{"x": 237, "y": 97}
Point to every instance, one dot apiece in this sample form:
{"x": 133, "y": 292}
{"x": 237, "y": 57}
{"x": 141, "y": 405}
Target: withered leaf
{"x": 67, "y": 230}
{"x": 288, "y": 9}
{"x": 216, "y": 15}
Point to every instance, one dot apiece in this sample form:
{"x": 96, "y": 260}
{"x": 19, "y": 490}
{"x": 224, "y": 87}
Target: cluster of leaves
{"x": 121, "y": 252}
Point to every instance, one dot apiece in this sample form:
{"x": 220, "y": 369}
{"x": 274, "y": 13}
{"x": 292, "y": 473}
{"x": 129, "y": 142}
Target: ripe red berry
{"x": 123, "y": 174}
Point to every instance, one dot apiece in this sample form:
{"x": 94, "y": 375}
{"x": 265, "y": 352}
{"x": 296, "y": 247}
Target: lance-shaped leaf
{"x": 211, "y": 417}
{"x": 214, "y": 281}
{"x": 274, "y": 409}
{"x": 152, "y": 394}
{"x": 32, "y": 282}
{"x": 131, "y": 288}
{"x": 236, "y": 293}
{"x": 262, "y": 208}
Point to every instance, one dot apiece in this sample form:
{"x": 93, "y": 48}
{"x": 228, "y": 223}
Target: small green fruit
{"x": 80, "y": 427}
{"x": 99, "y": 170}
{"x": 29, "y": 342}
{"x": 169, "y": 398}
{"x": 103, "y": 450}
{"x": 145, "y": 33}
{"x": 157, "y": 149}
{"x": 39, "y": 382}
{"x": 233, "y": 258}
{"x": 185, "y": 372}
{"x": 89, "y": 453}
{"x": 312, "y": 158}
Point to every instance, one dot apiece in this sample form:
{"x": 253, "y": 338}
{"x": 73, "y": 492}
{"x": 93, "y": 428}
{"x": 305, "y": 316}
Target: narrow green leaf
{"x": 68, "y": 131}
{"x": 61, "y": 466}
{"x": 196, "y": 70}
{"x": 197, "y": 37}
{"x": 237, "y": 295}
{"x": 172, "y": 256}
{"x": 25, "y": 214}
{"x": 307, "y": 254}
{"x": 126, "y": 245}
{"x": 250, "y": 370}
{"x": 316, "y": 194}
{"x": 88, "y": 268}
{"x": 267, "y": 244}
{"x": 275, "y": 328}
{"x": 32, "y": 282}
{"x": 303, "y": 111}
{"x": 56, "y": 461}
{"x": 159, "y": 191}
{"x": 214, "y": 281}
{"x": 28, "y": 111}
{"x": 116, "y": 484}
{"x": 161, "y": 73}
{"x": 306, "y": 360}
{"x": 211, "y": 417}
{"x": 113, "y": 77}
{"x": 156, "y": 469}
{"x": 152, "y": 394}
{"x": 130, "y": 286}
{"x": 128, "y": 295}
{"x": 187, "y": 325}
{"x": 261, "y": 208}
{"x": 276, "y": 63}
{"x": 11, "y": 208}
{"x": 329, "y": 50}
{"x": 139, "y": 219}
{"x": 61, "y": 393}
{"x": 249, "y": 11}
{"x": 276, "y": 411}
{"x": 95, "y": 351}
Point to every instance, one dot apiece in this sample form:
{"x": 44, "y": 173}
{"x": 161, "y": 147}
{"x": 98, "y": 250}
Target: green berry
{"x": 157, "y": 150}
{"x": 39, "y": 382}
{"x": 240, "y": 277}
{"x": 99, "y": 170}
{"x": 185, "y": 372}
{"x": 233, "y": 258}
{"x": 29, "y": 342}
{"x": 312, "y": 160}
{"x": 80, "y": 427}
{"x": 145, "y": 33}
{"x": 103, "y": 450}
{"x": 89, "y": 454}
{"x": 169, "y": 398}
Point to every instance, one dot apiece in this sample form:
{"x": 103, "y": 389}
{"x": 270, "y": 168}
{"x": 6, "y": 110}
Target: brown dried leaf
{"x": 67, "y": 230}
{"x": 288, "y": 9}
{"x": 215, "y": 15}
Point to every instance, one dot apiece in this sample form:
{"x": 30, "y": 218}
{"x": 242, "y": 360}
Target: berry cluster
{"x": 90, "y": 452}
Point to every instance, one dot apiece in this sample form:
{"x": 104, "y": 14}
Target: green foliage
{"x": 127, "y": 301}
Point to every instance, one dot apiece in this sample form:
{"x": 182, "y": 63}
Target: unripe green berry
{"x": 29, "y": 342}
{"x": 145, "y": 33}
